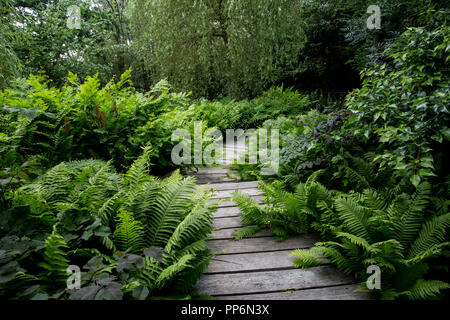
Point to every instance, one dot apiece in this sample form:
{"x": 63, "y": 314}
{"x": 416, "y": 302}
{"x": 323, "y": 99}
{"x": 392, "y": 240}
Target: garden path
{"x": 260, "y": 268}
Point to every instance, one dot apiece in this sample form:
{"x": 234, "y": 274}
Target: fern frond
{"x": 168, "y": 209}
{"x": 195, "y": 227}
{"x": 251, "y": 212}
{"x": 427, "y": 289}
{"x": 432, "y": 233}
{"x": 129, "y": 233}
{"x": 354, "y": 239}
{"x": 137, "y": 175}
{"x": 307, "y": 258}
{"x": 189, "y": 277}
{"x": 246, "y": 232}
{"x": 169, "y": 273}
{"x": 55, "y": 262}
{"x": 356, "y": 217}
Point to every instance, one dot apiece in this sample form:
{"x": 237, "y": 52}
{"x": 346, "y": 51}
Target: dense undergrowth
{"x": 368, "y": 173}
{"x": 132, "y": 235}
{"x": 382, "y": 162}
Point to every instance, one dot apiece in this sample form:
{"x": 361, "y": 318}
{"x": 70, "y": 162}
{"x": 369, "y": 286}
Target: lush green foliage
{"x": 84, "y": 120}
{"x": 135, "y": 236}
{"x": 384, "y": 152}
{"x": 368, "y": 173}
{"x": 402, "y": 237}
{"x": 234, "y": 48}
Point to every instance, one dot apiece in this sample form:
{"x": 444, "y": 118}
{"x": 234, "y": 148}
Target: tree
{"x": 44, "y": 41}
{"x": 218, "y": 47}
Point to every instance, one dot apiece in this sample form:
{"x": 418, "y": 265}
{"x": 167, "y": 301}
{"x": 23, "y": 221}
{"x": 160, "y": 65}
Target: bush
{"x": 135, "y": 236}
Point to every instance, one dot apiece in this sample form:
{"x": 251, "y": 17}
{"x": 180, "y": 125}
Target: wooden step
{"x": 235, "y": 185}
{"x": 227, "y": 212}
{"x": 214, "y": 180}
{"x": 226, "y": 223}
{"x": 249, "y": 245}
{"x": 228, "y": 203}
{"x": 225, "y": 194}
{"x": 208, "y": 171}
{"x": 224, "y": 234}
{"x": 248, "y": 262}
{"x": 345, "y": 292}
{"x": 270, "y": 281}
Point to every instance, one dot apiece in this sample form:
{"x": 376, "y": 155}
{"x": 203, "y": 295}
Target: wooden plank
{"x": 228, "y": 203}
{"x": 345, "y": 292}
{"x": 227, "y": 212}
{"x": 247, "y": 262}
{"x": 214, "y": 180}
{"x": 208, "y": 171}
{"x": 249, "y": 245}
{"x": 235, "y": 185}
{"x": 269, "y": 281}
{"x": 224, "y": 234}
{"x": 229, "y": 222}
{"x": 224, "y": 194}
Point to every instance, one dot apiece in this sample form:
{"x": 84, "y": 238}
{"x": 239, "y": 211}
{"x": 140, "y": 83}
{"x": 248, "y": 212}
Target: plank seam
{"x": 282, "y": 291}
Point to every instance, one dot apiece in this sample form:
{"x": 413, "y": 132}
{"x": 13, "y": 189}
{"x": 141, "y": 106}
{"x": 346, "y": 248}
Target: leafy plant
{"x": 401, "y": 237}
{"x": 284, "y": 213}
{"x": 136, "y": 235}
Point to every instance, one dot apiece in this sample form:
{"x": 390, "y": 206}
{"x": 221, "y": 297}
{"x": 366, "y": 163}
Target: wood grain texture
{"x": 229, "y": 222}
{"x": 261, "y": 244}
{"x": 260, "y": 268}
{"x": 235, "y": 185}
{"x": 269, "y": 281}
{"x": 227, "y": 212}
{"x": 247, "y": 262}
{"x": 345, "y": 292}
{"x": 223, "y": 234}
{"x": 225, "y": 194}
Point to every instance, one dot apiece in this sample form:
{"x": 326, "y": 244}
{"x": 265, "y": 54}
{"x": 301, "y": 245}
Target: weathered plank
{"x": 249, "y": 245}
{"x": 229, "y": 222}
{"x": 247, "y": 262}
{"x": 269, "y": 281}
{"x": 224, "y": 234}
{"x": 260, "y": 268}
{"x": 235, "y": 185}
{"x": 345, "y": 292}
{"x": 209, "y": 171}
{"x": 227, "y": 212}
{"x": 225, "y": 194}
{"x": 215, "y": 180}
{"x": 228, "y": 203}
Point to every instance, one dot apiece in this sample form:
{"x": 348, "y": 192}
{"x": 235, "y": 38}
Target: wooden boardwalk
{"x": 260, "y": 268}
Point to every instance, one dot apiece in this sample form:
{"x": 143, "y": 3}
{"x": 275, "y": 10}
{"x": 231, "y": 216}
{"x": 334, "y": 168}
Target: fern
{"x": 306, "y": 258}
{"x": 285, "y": 213}
{"x": 356, "y": 218}
{"x": 394, "y": 236}
{"x": 432, "y": 233}
{"x": 168, "y": 209}
{"x": 129, "y": 234}
{"x": 246, "y": 232}
{"x": 55, "y": 263}
{"x": 169, "y": 273}
{"x": 426, "y": 289}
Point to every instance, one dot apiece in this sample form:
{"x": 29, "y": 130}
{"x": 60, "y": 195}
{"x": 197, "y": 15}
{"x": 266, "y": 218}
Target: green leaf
{"x": 415, "y": 180}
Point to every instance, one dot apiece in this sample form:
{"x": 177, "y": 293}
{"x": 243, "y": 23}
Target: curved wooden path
{"x": 260, "y": 268}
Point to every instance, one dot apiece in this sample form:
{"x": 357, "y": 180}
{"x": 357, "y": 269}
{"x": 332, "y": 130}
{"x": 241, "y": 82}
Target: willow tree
{"x": 215, "y": 47}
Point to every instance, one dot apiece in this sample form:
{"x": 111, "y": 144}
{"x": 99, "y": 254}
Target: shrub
{"x": 136, "y": 236}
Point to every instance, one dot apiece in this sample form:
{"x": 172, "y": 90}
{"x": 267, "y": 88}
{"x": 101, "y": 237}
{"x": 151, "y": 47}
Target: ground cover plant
{"x": 383, "y": 199}
{"x": 87, "y": 115}
{"x": 133, "y": 235}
